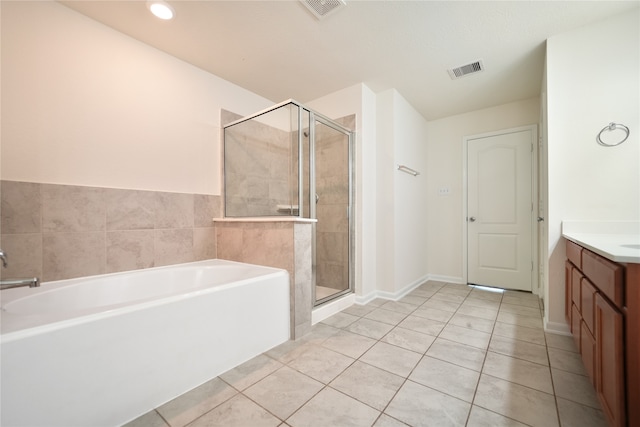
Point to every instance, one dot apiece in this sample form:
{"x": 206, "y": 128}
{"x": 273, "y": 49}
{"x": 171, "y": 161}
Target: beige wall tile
{"x": 69, "y": 255}
{"x": 229, "y": 241}
{"x": 173, "y": 246}
{"x": 269, "y": 244}
{"x": 24, "y": 255}
{"x": 21, "y": 208}
{"x": 71, "y": 241}
{"x": 204, "y": 243}
{"x": 264, "y": 245}
{"x": 206, "y": 207}
{"x": 129, "y": 250}
{"x": 303, "y": 293}
{"x": 332, "y": 218}
{"x": 129, "y": 209}
{"x": 174, "y": 210}
{"x": 68, "y": 208}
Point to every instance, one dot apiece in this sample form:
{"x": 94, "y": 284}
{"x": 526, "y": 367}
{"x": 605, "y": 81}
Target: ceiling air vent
{"x": 465, "y": 70}
{"x": 322, "y": 8}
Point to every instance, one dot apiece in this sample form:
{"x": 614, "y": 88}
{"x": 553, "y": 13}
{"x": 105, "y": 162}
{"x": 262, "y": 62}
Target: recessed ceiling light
{"x": 161, "y": 9}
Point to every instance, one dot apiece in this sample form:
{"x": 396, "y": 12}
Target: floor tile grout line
{"x": 212, "y": 409}
{"x": 475, "y": 391}
{"x": 407, "y": 378}
{"x": 553, "y": 383}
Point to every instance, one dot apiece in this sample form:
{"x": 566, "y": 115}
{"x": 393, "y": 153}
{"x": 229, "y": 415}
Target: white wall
{"x": 444, "y": 168}
{"x": 592, "y": 79}
{"x": 83, "y": 104}
{"x": 410, "y": 195}
{"x": 401, "y": 201}
{"x": 385, "y": 227}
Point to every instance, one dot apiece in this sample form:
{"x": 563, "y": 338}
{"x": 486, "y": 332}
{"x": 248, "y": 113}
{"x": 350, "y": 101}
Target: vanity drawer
{"x": 574, "y": 253}
{"x": 607, "y": 276}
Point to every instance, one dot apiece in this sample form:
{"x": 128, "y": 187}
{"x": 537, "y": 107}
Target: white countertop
{"x": 616, "y": 241}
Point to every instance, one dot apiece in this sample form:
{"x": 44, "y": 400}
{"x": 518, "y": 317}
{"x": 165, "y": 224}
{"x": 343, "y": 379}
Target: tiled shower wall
{"x": 57, "y": 232}
{"x": 257, "y": 169}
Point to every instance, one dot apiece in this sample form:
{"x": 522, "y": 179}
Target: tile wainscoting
{"x": 58, "y": 232}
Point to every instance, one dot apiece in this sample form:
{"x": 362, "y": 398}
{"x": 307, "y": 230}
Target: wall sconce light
{"x": 161, "y": 9}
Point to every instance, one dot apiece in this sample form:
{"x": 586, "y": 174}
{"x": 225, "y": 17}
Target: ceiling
{"x": 279, "y": 50}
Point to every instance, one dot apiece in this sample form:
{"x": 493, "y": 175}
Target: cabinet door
{"x": 576, "y": 321}
{"x": 588, "y": 351}
{"x": 610, "y": 361}
{"x": 568, "y": 271}
{"x": 588, "y": 293}
{"x": 576, "y": 288}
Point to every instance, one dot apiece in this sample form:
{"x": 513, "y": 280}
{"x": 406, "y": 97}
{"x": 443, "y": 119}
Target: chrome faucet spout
{"x": 3, "y": 257}
{"x": 33, "y": 282}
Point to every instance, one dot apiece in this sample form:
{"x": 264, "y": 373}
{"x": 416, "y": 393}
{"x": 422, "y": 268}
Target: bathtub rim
{"x": 121, "y": 309}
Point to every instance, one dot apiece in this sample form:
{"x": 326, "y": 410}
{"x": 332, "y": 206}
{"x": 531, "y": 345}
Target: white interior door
{"x": 499, "y": 210}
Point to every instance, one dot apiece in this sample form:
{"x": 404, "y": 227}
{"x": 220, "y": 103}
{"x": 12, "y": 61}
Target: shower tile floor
{"x": 444, "y": 355}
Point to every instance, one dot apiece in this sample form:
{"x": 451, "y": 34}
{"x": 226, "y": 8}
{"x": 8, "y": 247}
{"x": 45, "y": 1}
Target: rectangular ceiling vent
{"x": 465, "y": 70}
{"x": 322, "y": 8}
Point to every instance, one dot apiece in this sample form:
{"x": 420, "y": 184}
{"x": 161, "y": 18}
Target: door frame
{"x": 535, "y": 285}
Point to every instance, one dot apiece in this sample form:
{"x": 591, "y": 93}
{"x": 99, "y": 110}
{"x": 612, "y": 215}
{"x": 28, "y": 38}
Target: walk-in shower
{"x": 292, "y": 161}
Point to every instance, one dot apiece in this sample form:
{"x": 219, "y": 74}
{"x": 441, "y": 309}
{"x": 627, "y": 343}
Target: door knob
{"x": 472, "y": 219}
{"x": 540, "y": 219}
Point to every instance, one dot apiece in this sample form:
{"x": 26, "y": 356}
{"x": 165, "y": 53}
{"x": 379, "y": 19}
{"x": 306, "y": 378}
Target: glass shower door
{"x": 332, "y": 193}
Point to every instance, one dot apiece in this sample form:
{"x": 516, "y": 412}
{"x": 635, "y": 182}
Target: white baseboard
{"x": 557, "y": 328}
{"x": 395, "y": 296}
{"x": 333, "y": 307}
{"x": 448, "y": 279}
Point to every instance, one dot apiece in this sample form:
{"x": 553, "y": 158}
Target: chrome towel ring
{"x": 613, "y": 126}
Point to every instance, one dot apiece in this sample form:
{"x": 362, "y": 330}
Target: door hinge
{"x": 531, "y": 265}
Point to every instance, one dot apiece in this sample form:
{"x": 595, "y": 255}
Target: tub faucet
{"x": 33, "y": 282}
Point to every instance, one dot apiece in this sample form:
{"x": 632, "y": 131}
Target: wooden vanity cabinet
{"x": 610, "y": 361}
{"x": 603, "y": 312}
{"x": 588, "y": 351}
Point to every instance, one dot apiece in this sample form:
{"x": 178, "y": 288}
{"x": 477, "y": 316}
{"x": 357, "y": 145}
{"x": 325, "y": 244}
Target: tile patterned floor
{"x": 444, "y": 355}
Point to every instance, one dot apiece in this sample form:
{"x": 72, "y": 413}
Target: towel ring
{"x": 613, "y": 126}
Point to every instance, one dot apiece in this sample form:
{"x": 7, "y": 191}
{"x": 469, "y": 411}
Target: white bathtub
{"x": 102, "y": 350}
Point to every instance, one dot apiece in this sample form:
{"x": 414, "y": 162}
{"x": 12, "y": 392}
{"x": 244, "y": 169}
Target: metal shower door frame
{"x": 319, "y": 118}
